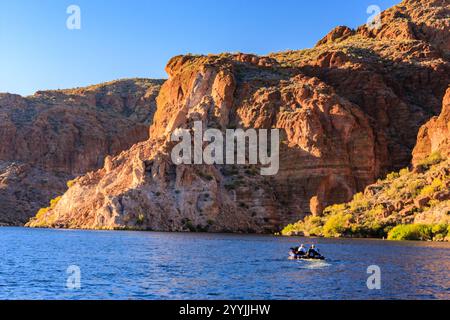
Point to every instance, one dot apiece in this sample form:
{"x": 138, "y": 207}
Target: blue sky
{"x": 136, "y": 38}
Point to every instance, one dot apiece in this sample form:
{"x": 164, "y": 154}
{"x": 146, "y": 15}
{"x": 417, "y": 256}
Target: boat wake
{"x": 313, "y": 264}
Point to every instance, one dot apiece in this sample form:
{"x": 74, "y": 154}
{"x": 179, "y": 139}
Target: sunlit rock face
{"x": 349, "y": 111}
{"x": 434, "y": 136}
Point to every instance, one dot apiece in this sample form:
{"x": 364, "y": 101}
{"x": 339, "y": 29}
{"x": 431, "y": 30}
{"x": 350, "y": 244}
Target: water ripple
{"x": 139, "y": 265}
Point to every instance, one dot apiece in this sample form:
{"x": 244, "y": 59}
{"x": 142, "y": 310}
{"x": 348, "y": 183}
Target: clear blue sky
{"x": 135, "y": 38}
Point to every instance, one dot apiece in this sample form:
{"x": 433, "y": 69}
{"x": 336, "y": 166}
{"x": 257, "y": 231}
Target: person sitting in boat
{"x": 301, "y": 251}
{"x": 313, "y": 252}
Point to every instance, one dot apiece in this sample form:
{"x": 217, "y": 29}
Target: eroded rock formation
{"x": 434, "y": 136}
{"x": 53, "y": 136}
{"x": 349, "y": 111}
{"x": 415, "y": 196}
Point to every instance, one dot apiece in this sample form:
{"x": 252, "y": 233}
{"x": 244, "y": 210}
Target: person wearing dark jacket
{"x": 312, "y": 252}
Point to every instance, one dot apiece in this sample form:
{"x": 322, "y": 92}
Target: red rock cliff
{"x": 349, "y": 110}
{"x": 434, "y": 136}
{"x": 53, "y": 136}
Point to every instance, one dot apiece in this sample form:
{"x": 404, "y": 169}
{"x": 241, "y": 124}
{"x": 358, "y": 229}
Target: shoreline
{"x": 273, "y": 235}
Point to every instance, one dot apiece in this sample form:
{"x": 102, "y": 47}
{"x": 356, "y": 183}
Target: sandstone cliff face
{"x": 397, "y": 74}
{"x": 411, "y": 197}
{"x": 327, "y": 153}
{"x": 349, "y": 110}
{"x": 417, "y": 199}
{"x": 53, "y": 136}
{"x": 434, "y": 136}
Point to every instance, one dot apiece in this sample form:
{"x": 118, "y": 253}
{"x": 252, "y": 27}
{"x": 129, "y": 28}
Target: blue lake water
{"x": 140, "y": 265}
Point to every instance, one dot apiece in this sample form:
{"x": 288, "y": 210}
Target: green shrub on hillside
{"x": 418, "y": 232}
{"x": 414, "y": 188}
{"x": 337, "y": 225}
{"x": 436, "y": 185}
{"x": 359, "y": 203}
{"x": 431, "y": 160}
{"x": 379, "y": 212}
{"x": 54, "y": 202}
{"x": 392, "y": 176}
{"x": 293, "y": 229}
{"x": 334, "y": 209}
{"x": 311, "y": 226}
{"x": 70, "y": 183}
{"x": 40, "y": 218}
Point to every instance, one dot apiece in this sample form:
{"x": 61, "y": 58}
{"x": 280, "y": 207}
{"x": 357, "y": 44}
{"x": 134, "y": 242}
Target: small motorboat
{"x": 293, "y": 255}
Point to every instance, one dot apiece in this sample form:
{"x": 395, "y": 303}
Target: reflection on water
{"x": 139, "y": 265}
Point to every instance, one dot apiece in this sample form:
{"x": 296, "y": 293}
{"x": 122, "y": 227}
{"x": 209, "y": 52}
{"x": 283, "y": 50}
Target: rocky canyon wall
{"x": 54, "y": 136}
{"x": 349, "y": 111}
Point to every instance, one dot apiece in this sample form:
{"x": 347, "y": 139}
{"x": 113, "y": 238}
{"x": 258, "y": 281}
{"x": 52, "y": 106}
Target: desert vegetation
{"x": 406, "y": 205}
